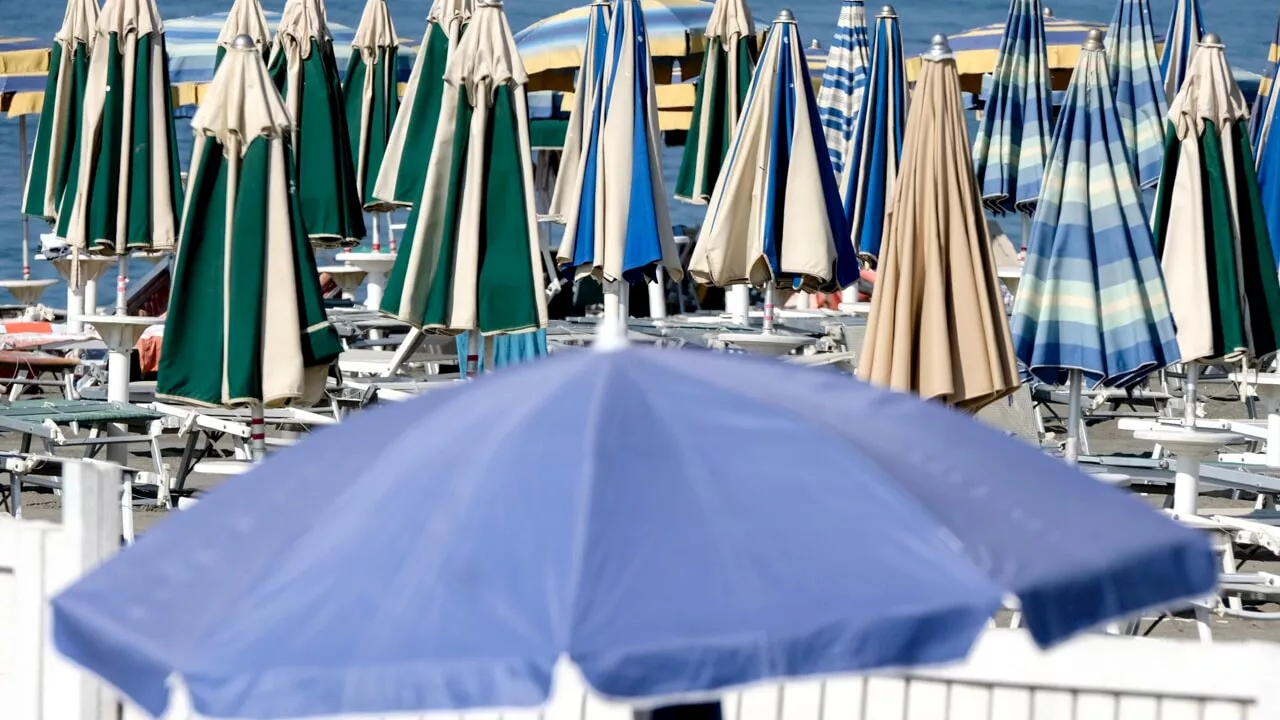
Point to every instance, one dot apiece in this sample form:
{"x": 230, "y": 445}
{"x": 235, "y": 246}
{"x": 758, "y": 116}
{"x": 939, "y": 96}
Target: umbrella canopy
{"x": 306, "y": 73}
{"x": 1013, "y": 140}
{"x": 775, "y": 215}
{"x": 1263, "y": 107}
{"x": 584, "y": 101}
{"x": 877, "y": 141}
{"x": 126, "y": 193}
{"x": 722, "y": 89}
{"x": 404, "y": 164}
{"x": 470, "y": 258}
{"x": 1209, "y": 225}
{"x": 57, "y": 150}
{"x": 808, "y": 549}
{"x": 937, "y": 326}
{"x": 617, "y": 222}
{"x": 371, "y": 96}
{"x": 1138, "y": 86}
{"x": 843, "y": 83}
{"x": 244, "y": 18}
{"x": 1091, "y": 296}
{"x": 246, "y": 322}
{"x": 1186, "y": 26}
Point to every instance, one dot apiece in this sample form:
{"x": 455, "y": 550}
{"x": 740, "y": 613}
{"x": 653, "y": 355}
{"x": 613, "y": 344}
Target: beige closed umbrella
{"x": 938, "y": 326}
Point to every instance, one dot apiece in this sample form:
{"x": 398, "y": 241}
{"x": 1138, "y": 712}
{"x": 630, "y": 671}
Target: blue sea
{"x": 1246, "y": 26}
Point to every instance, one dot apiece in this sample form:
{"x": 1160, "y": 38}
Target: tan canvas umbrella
{"x": 244, "y": 18}
{"x": 938, "y": 326}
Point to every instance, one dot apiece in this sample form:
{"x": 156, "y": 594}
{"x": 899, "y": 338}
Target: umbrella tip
{"x": 887, "y": 11}
{"x": 815, "y": 45}
{"x": 1093, "y": 40}
{"x": 1048, "y": 12}
{"x": 243, "y": 42}
{"x": 785, "y": 15}
{"x": 939, "y": 48}
{"x": 1211, "y": 39}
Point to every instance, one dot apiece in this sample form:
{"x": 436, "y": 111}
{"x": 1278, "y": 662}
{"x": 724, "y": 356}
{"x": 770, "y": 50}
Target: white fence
{"x": 1095, "y": 677}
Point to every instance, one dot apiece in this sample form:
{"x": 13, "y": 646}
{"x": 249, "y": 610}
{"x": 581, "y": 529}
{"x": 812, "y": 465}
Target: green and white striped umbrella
{"x": 404, "y": 166}
{"x": 371, "y": 97}
{"x": 722, "y": 89}
{"x": 1209, "y": 224}
{"x": 57, "y": 151}
{"x": 244, "y": 18}
{"x": 306, "y": 73}
{"x": 469, "y": 258}
{"x": 126, "y": 191}
{"x": 246, "y": 322}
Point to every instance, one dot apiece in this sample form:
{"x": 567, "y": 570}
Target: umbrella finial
{"x": 1211, "y": 39}
{"x": 1048, "y": 13}
{"x": 815, "y": 45}
{"x": 1093, "y": 41}
{"x": 939, "y": 48}
{"x": 785, "y": 15}
{"x": 887, "y": 11}
{"x": 243, "y": 42}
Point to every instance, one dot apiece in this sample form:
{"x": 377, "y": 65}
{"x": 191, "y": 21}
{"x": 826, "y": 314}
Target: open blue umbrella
{"x": 567, "y": 514}
{"x": 1091, "y": 305}
{"x": 844, "y": 81}
{"x": 1013, "y": 139}
{"x": 1185, "y": 28}
{"x": 1138, "y": 87}
{"x": 877, "y": 141}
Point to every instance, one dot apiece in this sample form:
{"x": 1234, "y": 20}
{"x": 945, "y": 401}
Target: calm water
{"x": 1245, "y": 25}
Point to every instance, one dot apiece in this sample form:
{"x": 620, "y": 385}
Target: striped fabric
{"x": 1138, "y": 86}
{"x": 775, "y": 214}
{"x": 24, "y": 64}
{"x": 584, "y": 92}
{"x": 844, "y": 82}
{"x": 1092, "y": 297}
{"x": 877, "y": 142}
{"x": 618, "y": 225}
{"x": 1263, "y": 109}
{"x": 1013, "y": 140}
{"x": 1186, "y": 25}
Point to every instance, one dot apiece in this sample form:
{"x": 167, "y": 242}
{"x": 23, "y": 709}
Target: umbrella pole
{"x": 1190, "y": 393}
{"x": 75, "y": 295}
{"x": 473, "y": 354}
{"x": 22, "y": 167}
{"x": 657, "y": 294}
{"x": 769, "y": 291}
{"x": 257, "y": 433}
{"x": 1075, "y": 387}
{"x": 122, "y": 285}
{"x": 376, "y": 217}
{"x": 738, "y": 299}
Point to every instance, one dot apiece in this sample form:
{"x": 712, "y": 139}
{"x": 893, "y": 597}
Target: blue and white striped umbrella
{"x": 1263, "y": 106}
{"x": 1138, "y": 86}
{"x": 775, "y": 214}
{"x": 1092, "y": 297}
{"x": 584, "y": 94}
{"x": 1185, "y": 28}
{"x": 618, "y": 225}
{"x": 877, "y": 142}
{"x": 843, "y": 82}
{"x": 1013, "y": 140}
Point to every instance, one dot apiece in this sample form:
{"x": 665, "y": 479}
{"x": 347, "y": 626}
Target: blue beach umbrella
{"x": 1263, "y": 111}
{"x": 877, "y": 141}
{"x": 844, "y": 81}
{"x": 775, "y": 215}
{"x": 1185, "y": 28}
{"x": 617, "y": 223}
{"x": 1091, "y": 305}
{"x": 1013, "y": 140}
{"x": 564, "y": 518}
{"x": 584, "y": 94}
{"x": 1138, "y": 86}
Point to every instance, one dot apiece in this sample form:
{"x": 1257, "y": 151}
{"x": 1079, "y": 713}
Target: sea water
{"x": 1246, "y": 26}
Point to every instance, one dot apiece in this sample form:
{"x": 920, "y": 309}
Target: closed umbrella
{"x": 1138, "y": 86}
{"x": 1209, "y": 225}
{"x": 1186, "y": 26}
{"x": 125, "y": 194}
{"x": 1264, "y": 106}
{"x": 404, "y": 164}
{"x": 470, "y": 257}
{"x": 844, "y": 81}
{"x": 584, "y": 98}
{"x": 305, "y": 71}
{"x": 775, "y": 216}
{"x": 877, "y": 141}
{"x": 565, "y": 520}
{"x": 371, "y": 95}
{"x": 1013, "y": 139}
{"x": 617, "y": 225}
{"x": 1091, "y": 305}
{"x": 937, "y": 326}
{"x": 244, "y": 18}
{"x": 246, "y": 323}
{"x": 722, "y": 88}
